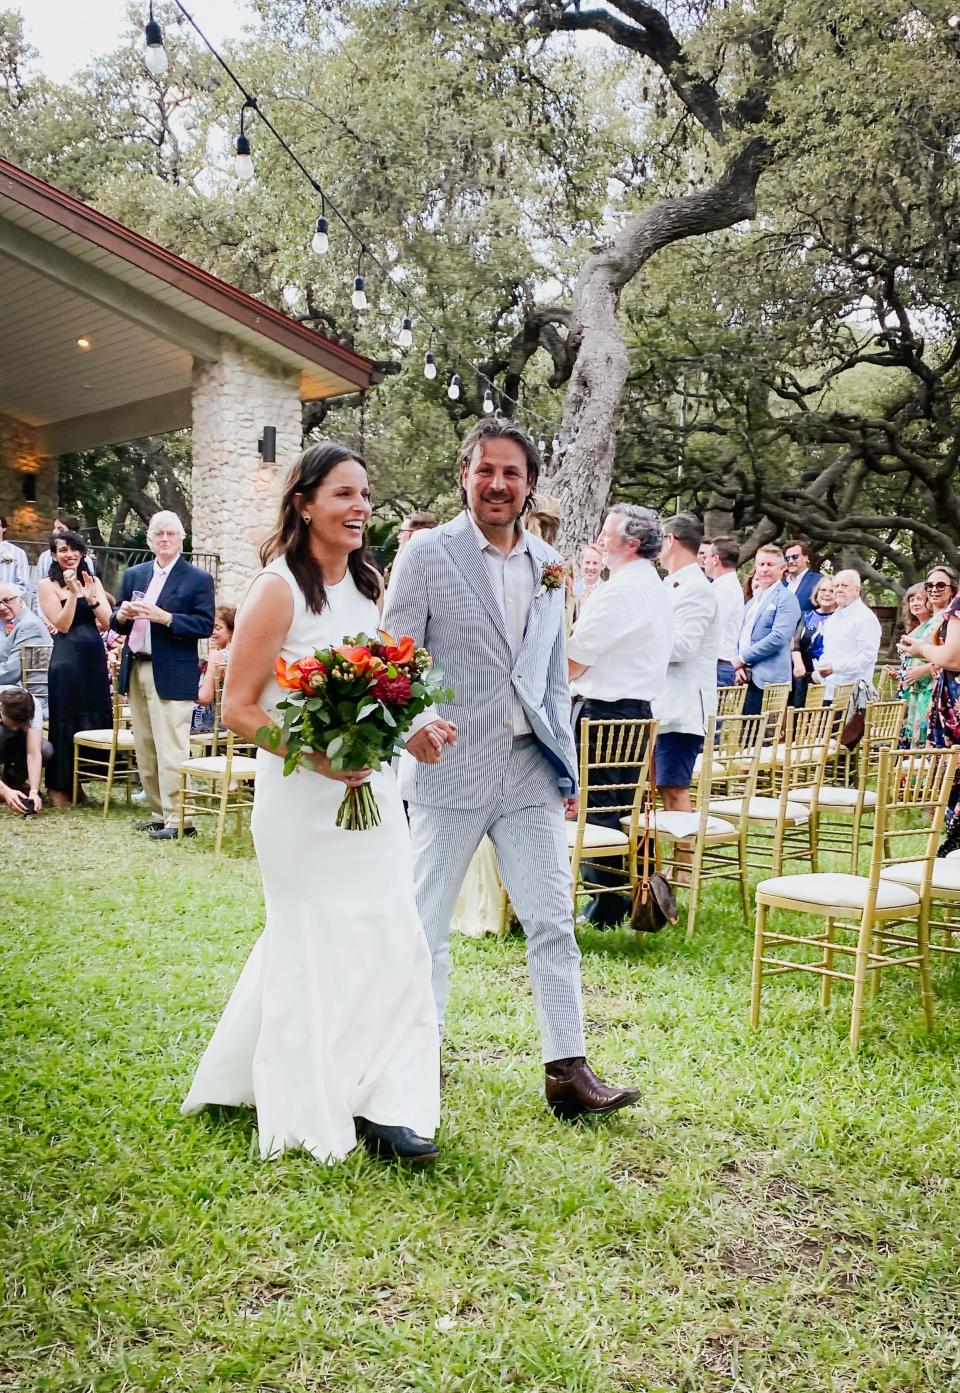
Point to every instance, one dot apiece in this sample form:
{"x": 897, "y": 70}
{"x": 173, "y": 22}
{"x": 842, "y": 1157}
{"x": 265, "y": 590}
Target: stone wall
{"x": 234, "y": 494}
{"x": 19, "y": 456}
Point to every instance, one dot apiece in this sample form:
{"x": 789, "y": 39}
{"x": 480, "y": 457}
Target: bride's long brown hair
{"x": 291, "y": 536}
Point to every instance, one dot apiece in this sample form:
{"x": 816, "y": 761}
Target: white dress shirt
{"x": 851, "y": 643}
{"x": 512, "y": 579}
{"x": 751, "y": 612}
{"x": 141, "y": 635}
{"x": 14, "y": 566}
{"x": 690, "y": 692}
{"x": 624, "y": 637}
{"x": 730, "y": 606}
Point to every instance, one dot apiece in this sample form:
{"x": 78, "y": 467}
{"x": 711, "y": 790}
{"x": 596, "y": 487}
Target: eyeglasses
{"x": 6, "y": 602}
{"x": 936, "y": 585}
{"x": 792, "y": 555}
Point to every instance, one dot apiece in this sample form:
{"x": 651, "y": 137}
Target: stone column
{"x": 20, "y": 460}
{"x": 234, "y": 494}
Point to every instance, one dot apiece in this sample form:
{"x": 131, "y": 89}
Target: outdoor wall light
{"x": 267, "y": 445}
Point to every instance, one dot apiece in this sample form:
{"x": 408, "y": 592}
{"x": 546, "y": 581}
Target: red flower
{"x": 392, "y": 691}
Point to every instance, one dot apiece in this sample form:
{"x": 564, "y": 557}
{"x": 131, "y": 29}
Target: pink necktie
{"x": 140, "y": 633}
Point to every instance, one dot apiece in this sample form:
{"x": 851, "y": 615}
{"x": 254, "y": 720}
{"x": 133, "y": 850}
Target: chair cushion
{"x": 833, "y": 796}
{"x": 679, "y": 825}
{"x": 104, "y": 737}
{"x": 595, "y": 835}
{"x": 833, "y": 888}
{"x": 946, "y": 873}
{"x": 241, "y": 767}
{"x": 761, "y": 809}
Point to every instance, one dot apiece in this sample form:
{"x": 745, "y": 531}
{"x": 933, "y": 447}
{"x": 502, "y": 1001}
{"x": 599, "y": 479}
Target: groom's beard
{"x": 486, "y": 510}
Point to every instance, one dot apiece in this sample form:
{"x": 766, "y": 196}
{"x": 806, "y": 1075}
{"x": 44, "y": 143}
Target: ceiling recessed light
{"x": 83, "y": 343}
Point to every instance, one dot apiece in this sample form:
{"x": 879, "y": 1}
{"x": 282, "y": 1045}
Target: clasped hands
{"x": 429, "y": 743}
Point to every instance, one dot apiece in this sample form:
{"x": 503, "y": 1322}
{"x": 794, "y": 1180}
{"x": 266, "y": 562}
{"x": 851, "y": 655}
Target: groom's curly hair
{"x": 492, "y": 428}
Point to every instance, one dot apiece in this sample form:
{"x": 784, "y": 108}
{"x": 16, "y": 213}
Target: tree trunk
{"x": 591, "y": 414}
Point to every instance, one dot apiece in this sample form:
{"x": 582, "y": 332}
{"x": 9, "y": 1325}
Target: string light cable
{"x": 320, "y": 241}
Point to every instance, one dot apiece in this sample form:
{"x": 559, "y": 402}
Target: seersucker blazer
{"x": 440, "y": 594}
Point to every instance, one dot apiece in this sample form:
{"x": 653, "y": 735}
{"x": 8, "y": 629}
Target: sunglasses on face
{"x": 936, "y": 585}
{"x": 793, "y": 555}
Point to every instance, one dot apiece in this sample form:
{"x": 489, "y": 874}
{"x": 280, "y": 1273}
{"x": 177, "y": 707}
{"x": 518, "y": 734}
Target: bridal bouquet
{"x": 354, "y": 703}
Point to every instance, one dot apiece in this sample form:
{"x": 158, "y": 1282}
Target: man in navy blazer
{"x": 766, "y": 632}
{"x": 800, "y": 579}
{"x": 165, "y": 606}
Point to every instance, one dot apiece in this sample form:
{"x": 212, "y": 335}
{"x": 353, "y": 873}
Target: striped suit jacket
{"x": 440, "y": 594}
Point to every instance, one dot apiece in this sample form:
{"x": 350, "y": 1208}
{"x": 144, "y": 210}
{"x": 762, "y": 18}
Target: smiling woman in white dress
{"x": 331, "y": 1031}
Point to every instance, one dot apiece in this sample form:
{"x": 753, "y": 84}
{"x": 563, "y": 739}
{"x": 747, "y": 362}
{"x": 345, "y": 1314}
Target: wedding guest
{"x": 766, "y": 632}
{"x": 703, "y": 551}
{"x": 591, "y": 575}
{"x": 544, "y": 518}
{"x": 917, "y": 676}
{"x": 420, "y": 521}
{"x": 689, "y": 695}
{"x": 166, "y": 606}
{"x": 851, "y": 637}
{"x": 64, "y": 522}
{"x": 808, "y": 643}
{"x": 23, "y": 750}
{"x": 19, "y": 628}
{"x": 943, "y": 650}
{"x": 218, "y": 655}
{"x": 801, "y": 579}
{"x": 14, "y": 566}
{"x": 74, "y": 603}
{"x": 722, "y": 558}
{"x": 618, "y": 654}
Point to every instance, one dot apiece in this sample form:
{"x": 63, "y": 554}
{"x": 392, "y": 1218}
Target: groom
{"x": 478, "y": 592}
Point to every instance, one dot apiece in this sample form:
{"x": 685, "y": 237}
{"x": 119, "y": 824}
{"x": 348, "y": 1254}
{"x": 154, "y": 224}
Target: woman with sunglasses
{"x": 939, "y": 654}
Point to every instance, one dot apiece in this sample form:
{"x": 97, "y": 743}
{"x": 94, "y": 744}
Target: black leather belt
{"x": 141, "y": 657}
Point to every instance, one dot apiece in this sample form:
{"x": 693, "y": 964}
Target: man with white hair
{"x": 19, "y": 628}
{"x": 851, "y": 637}
{"x": 165, "y": 606}
{"x": 618, "y": 655}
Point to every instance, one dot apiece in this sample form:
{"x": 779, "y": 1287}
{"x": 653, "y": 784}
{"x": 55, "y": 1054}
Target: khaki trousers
{"x": 161, "y": 735}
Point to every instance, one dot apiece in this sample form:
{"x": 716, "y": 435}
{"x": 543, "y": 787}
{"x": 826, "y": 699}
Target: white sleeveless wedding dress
{"x": 333, "y": 1016}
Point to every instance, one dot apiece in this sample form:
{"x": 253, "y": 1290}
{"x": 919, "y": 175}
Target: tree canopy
{"x": 712, "y": 234}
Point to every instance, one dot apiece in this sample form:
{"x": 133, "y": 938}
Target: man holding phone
{"x": 22, "y": 751}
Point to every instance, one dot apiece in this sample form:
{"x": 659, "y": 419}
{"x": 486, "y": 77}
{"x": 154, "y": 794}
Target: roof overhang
{"x": 69, "y": 273}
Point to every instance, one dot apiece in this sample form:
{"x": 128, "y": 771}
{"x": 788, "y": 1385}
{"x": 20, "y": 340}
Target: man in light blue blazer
{"x": 487, "y": 598}
{"x": 766, "y": 632}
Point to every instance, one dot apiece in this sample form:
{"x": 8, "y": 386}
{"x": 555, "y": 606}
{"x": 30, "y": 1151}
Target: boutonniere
{"x": 551, "y": 577}
{"x": 6, "y": 554}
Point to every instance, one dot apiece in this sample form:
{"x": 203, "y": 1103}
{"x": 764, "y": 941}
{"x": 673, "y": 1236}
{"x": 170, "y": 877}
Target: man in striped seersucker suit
{"x": 500, "y": 759}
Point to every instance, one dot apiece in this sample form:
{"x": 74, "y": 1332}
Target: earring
{"x": 306, "y": 517}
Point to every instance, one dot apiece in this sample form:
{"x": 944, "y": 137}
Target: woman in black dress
{"x": 75, "y": 603}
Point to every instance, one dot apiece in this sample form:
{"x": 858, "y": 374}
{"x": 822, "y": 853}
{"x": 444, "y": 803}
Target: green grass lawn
{"x": 776, "y": 1215}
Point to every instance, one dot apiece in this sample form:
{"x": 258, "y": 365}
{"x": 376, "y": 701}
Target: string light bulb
{"x": 244, "y": 160}
{"x": 453, "y": 391}
{"x": 488, "y": 402}
{"x": 542, "y": 443}
{"x": 405, "y": 336}
{"x": 429, "y": 367}
{"x": 359, "y": 297}
{"x": 555, "y": 444}
{"x": 156, "y": 55}
{"x": 320, "y": 242}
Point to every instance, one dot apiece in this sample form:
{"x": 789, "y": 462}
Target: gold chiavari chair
{"x": 730, "y": 699}
{"x": 615, "y": 758}
{"x": 704, "y": 845}
{"x": 838, "y": 810}
{"x": 780, "y": 824}
{"x": 107, "y": 755}
{"x": 34, "y": 670}
{"x": 877, "y": 919}
{"x": 216, "y": 785}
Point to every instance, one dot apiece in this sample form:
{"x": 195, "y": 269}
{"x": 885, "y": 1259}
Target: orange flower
{"x": 297, "y": 676}
{"x": 397, "y": 653}
{"x": 287, "y": 676}
{"x": 361, "y": 658}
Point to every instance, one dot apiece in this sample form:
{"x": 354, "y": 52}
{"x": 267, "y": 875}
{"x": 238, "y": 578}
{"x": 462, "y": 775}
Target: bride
{"x": 331, "y": 1031}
